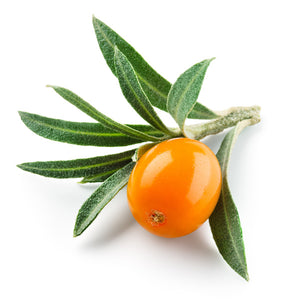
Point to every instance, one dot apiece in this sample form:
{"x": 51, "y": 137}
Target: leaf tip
{"x": 21, "y": 113}
{"x": 83, "y": 181}
{"x": 76, "y": 231}
{"x": 56, "y": 88}
{"x": 244, "y": 274}
{"x": 51, "y": 86}
{"x": 94, "y": 19}
{"x": 20, "y": 166}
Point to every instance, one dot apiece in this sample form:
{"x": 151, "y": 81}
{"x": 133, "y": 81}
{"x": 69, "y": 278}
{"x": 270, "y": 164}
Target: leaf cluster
{"x": 144, "y": 89}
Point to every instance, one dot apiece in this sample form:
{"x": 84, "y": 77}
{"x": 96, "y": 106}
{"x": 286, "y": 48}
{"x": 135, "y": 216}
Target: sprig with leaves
{"x": 144, "y": 89}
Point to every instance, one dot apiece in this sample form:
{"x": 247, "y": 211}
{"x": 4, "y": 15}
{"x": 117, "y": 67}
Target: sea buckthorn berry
{"x": 174, "y": 187}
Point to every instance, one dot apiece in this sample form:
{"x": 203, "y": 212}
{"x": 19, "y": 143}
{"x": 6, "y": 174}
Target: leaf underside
{"x": 184, "y": 92}
{"x": 224, "y": 221}
{"x": 101, "y": 197}
{"x": 227, "y": 232}
{"x": 153, "y": 84}
{"x": 134, "y": 93}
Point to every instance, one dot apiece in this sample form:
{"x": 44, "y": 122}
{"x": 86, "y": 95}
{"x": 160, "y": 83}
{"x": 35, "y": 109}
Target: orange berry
{"x": 174, "y": 187}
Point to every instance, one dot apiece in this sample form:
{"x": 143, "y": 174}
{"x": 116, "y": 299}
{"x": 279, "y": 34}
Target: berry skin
{"x": 174, "y": 187}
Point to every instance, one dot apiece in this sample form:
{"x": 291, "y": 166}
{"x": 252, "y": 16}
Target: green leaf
{"x": 98, "y": 200}
{"x": 224, "y": 221}
{"x": 136, "y": 156}
{"x": 134, "y": 93}
{"x": 102, "y": 166}
{"x": 101, "y": 118}
{"x": 97, "y": 178}
{"x": 85, "y": 134}
{"x": 153, "y": 84}
{"x": 184, "y": 92}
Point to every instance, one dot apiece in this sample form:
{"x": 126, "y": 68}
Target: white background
{"x": 52, "y": 42}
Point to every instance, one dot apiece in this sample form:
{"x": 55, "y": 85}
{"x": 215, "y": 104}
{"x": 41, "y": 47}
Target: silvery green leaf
{"x": 224, "y": 221}
{"x": 82, "y": 133}
{"x": 101, "y": 197}
{"x": 154, "y": 85}
{"x": 184, "y": 92}
{"x": 134, "y": 93}
{"x": 101, "y": 118}
{"x": 102, "y": 166}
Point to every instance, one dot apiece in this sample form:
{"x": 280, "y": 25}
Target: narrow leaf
{"x": 98, "y": 116}
{"x": 224, "y": 221}
{"x": 85, "y": 134}
{"x": 228, "y": 143}
{"x": 134, "y": 93}
{"x": 98, "y": 200}
{"x": 184, "y": 92}
{"x": 97, "y": 178}
{"x": 102, "y": 166}
{"x": 153, "y": 84}
{"x": 136, "y": 156}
